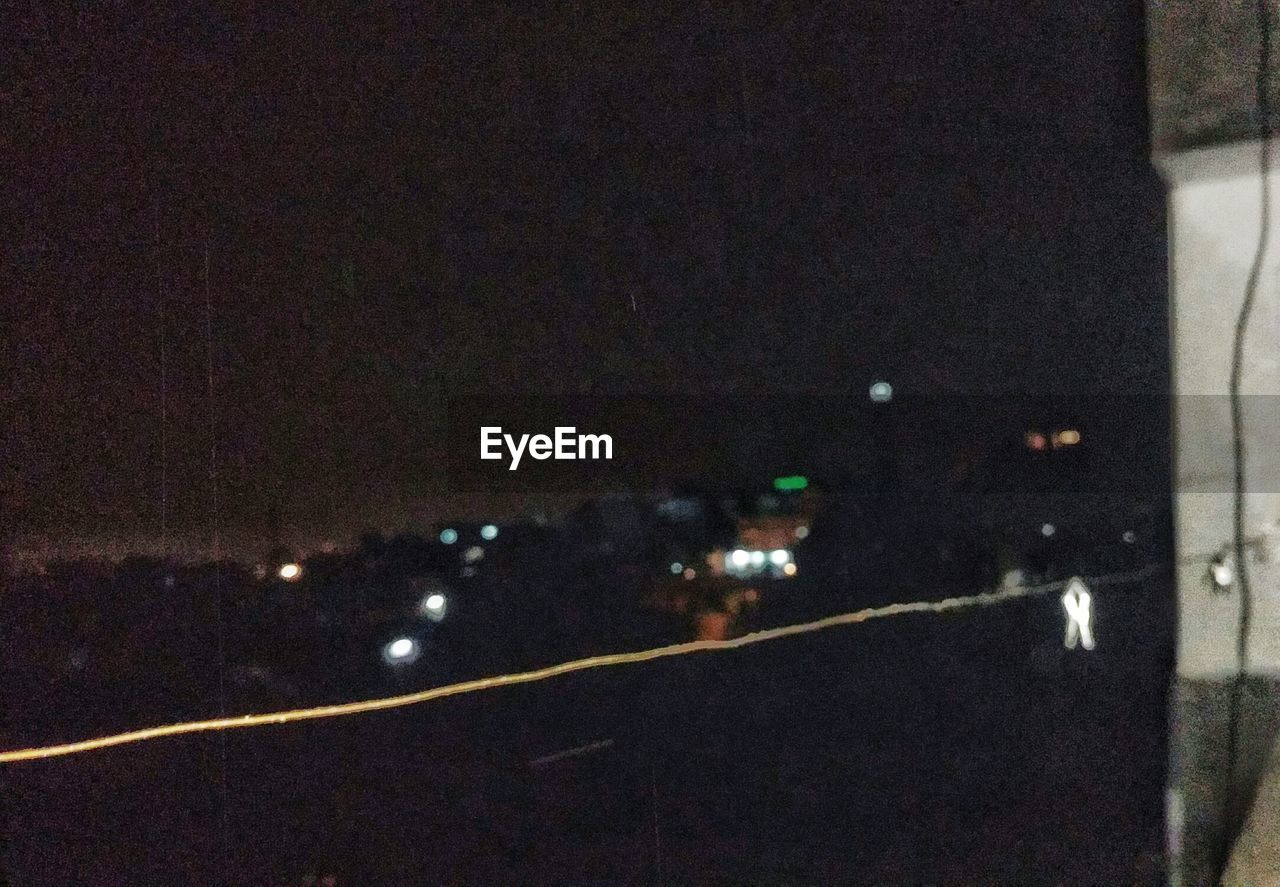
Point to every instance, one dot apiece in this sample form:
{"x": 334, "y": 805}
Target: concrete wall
{"x": 1201, "y": 65}
{"x": 1214, "y": 207}
{"x": 1214, "y": 204}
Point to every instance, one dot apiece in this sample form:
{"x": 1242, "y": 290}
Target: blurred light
{"x": 1130, "y": 536}
{"x": 1078, "y": 603}
{"x": 433, "y": 606}
{"x": 473, "y": 554}
{"x": 789, "y": 569}
{"x": 420, "y": 697}
{"x": 881, "y": 392}
{"x": 1048, "y": 530}
{"x": 779, "y": 556}
{"x": 1013, "y": 578}
{"x": 802, "y": 532}
{"x": 289, "y": 572}
{"x": 1036, "y": 441}
{"x": 791, "y": 482}
{"x": 689, "y": 572}
{"x": 1067, "y": 438}
{"x": 449, "y": 536}
{"x": 1222, "y": 571}
{"x": 751, "y": 595}
{"x": 740, "y": 558}
{"x": 401, "y": 651}
{"x": 489, "y": 532}
{"x": 757, "y": 558}
{"x": 468, "y": 572}
{"x": 676, "y": 568}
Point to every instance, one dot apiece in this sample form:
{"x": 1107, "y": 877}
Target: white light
{"x": 802, "y": 532}
{"x": 449, "y": 536}
{"x": 757, "y": 558}
{"x": 779, "y": 556}
{"x": 401, "y": 651}
{"x": 677, "y": 568}
{"x": 473, "y": 554}
{"x": 1222, "y": 572}
{"x": 740, "y": 558}
{"x": 881, "y": 392}
{"x": 489, "y": 532}
{"x": 289, "y": 572}
{"x": 1078, "y": 603}
{"x": 1130, "y": 537}
{"x": 1048, "y": 530}
{"x": 433, "y": 606}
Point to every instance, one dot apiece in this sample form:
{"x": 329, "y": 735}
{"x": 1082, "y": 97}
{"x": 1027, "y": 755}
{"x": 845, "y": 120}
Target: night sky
{"x": 403, "y": 209}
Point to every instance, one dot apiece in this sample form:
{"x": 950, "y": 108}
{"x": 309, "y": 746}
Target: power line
{"x": 215, "y": 543}
{"x": 164, "y": 398}
{"x": 1239, "y": 542}
{"x": 983, "y": 599}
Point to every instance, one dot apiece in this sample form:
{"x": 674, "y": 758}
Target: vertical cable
{"x": 164, "y": 399}
{"x": 1239, "y": 542}
{"x": 216, "y": 549}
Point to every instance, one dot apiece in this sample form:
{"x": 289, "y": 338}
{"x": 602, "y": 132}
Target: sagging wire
{"x": 1238, "y": 539}
{"x": 982, "y": 599}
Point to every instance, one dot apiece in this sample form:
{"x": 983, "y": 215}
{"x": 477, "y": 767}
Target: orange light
{"x": 1067, "y": 438}
{"x": 789, "y": 569}
{"x": 384, "y": 703}
{"x": 1036, "y": 441}
{"x": 689, "y": 572}
{"x": 290, "y": 572}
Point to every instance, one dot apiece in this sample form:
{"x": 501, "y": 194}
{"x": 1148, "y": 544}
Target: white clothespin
{"x": 1078, "y": 603}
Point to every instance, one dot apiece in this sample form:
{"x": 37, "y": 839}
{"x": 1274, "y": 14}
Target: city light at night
{"x": 1078, "y": 604}
{"x": 690, "y": 402}
{"x": 401, "y": 651}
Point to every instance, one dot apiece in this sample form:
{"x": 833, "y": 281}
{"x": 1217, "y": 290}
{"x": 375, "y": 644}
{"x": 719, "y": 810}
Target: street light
{"x": 401, "y": 651}
{"x": 433, "y": 606}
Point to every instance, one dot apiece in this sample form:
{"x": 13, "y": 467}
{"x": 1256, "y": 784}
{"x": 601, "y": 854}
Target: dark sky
{"x": 401, "y": 207}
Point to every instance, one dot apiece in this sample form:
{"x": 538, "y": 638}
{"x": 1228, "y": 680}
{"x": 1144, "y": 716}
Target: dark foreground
{"x": 958, "y": 748}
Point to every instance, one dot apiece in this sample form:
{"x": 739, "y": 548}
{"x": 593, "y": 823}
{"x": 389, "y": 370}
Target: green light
{"x": 792, "y": 482}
